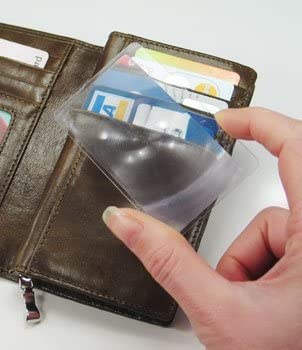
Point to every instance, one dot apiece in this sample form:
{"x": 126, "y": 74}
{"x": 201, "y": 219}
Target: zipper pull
{"x": 32, "y": 312}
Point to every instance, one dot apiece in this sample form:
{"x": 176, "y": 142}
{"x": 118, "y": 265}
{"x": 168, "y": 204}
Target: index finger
{"x": 269, "y": 128}
{"x": 279, "y": 134}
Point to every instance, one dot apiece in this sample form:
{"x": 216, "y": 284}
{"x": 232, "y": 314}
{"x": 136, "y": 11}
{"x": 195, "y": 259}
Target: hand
{"x": 254, "y": 298}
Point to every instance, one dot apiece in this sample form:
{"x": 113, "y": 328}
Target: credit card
{"x": 191, "y": 99}
{"x": 24, "y": 54}
{"x": 196, "y": 76}
{"x": 120, "y": 81}
{"x": 163, "y": 120}
{"x": 170, "y": 122}
{"x": 110, "y": 104}
{"x": 128, "y": 78}
{"x": 163, "y": 116}
{"x": 5, "y": 120}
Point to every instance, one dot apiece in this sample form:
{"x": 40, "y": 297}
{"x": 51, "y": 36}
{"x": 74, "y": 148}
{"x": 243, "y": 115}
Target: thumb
{"x": 172, "y": 262}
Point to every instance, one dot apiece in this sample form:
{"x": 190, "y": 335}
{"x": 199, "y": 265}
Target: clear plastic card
{"x": 154, "y": 138}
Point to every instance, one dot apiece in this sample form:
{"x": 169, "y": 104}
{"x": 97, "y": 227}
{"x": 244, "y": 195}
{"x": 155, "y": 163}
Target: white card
{"x": 24, "y": 54}
{"x": 163, "y": 120}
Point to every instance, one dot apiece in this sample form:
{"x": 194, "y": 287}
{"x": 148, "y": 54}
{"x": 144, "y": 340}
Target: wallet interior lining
{"x": 25, "y": 73}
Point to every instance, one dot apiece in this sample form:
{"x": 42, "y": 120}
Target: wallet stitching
{"x": 93, "y": 303}
{"x": 13, "y": 113}
{"x": 32, "y": 123}
{"x": 44, "y": 237}
{"x": 108, "y": 297}
{"x": 98, "y": 304}
{"x": 195, "y": 231}
{"x": 55, "y": 211}
{"x": 62, "y": 194}
{"x": 199, "y": 225}
{"x": 53, "y": 37}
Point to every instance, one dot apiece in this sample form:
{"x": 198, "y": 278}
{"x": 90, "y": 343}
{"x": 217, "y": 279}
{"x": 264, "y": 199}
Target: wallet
{"x": 52, "y": 195}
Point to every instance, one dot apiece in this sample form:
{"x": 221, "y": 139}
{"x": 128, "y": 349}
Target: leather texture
{"x": 53, "y": 195}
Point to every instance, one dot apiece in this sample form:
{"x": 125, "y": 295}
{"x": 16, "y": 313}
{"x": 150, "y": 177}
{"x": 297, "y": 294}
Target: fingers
{"x": 171, "y": 261}
{"x": 281, "y": 135}
{"x": 290, "y": 168}
{"x": 269, "y": 128}
{"x": 258, "y": 246}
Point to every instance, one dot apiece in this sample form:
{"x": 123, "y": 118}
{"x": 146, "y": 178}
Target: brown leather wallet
{"x": 52, "y": 195}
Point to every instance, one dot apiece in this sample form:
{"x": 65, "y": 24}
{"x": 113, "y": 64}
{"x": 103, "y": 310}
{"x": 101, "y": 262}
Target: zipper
{"x": 32, "y": 313}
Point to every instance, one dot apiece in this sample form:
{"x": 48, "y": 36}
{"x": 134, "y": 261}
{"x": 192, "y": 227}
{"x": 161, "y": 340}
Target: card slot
{"x": 52, "y": 64}
{"x": 195, "y": 100}
{"x": 33, "y": 75}
{"x": 15, "y": 139}
{"x": 12, "y": 102}
{"x": 54, "y": 47}
{"x": 190, "y": 109}
{"x": 22, "y": 90}
{"x": 8, "y": 76}
{"x": 238, "y": 98}
{"x": 76, "y": 115}
{"x": 9, "y": 62}
{"x": 238, "y": 95}
{"x": 125, "y": 152}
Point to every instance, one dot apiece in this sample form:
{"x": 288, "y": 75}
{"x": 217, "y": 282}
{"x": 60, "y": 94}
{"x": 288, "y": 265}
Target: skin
{"x": 253, "y": 300}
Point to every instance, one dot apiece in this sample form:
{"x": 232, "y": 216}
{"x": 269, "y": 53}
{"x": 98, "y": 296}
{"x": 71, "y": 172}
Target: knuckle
{"x": 162, "y": 264}
{"x": 260, "y": 110}
{"x": 296, "y": 127}
{"x": 295, "y": 242}
{"x": 294, "y": 225}
{"x": 293, "y": 251}
{"x": 258, "y": 113}
{"x": 293, "y": 145}
{"x": 269, "y": 212}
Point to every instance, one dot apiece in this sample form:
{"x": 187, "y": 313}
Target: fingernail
{"x": 108, "y": 212}
{"x": 220, "y": 115}
{"x": 123, "y": 226}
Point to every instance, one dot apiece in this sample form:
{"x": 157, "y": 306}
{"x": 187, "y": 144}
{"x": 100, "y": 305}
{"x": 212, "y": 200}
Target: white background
{"x": 265, "y": 35}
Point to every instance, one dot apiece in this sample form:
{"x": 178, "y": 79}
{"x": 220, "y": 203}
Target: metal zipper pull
{"x": 32, "y": 312}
